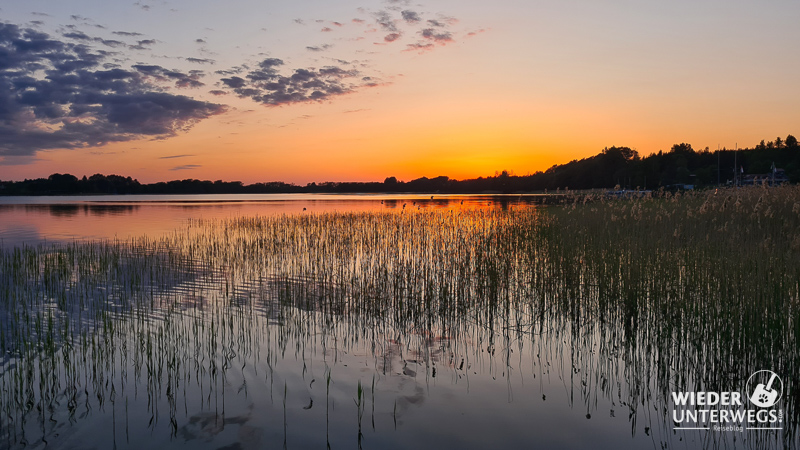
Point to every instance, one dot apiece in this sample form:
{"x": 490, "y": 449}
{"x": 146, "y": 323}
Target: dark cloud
{"x": 433, "y": 35}
{"x": 217, "y": 92}
{"x": 419, "y": 46}
{"x": 299, "y": 21}
{"x": 233, "y": 71}
{"x": 186, "y": 167}
{"x": 234, "y": 82}
{"x": 182, "y": 80}
{"x": 175, "y": 156}
{"x": 269, "y": 86}
{"x": 81, "y": 36}
{"x": 410, "y": 16}
{"x": 200, "y": 41}
{"x": 58, "y": 94}
{"x": 200, "y": 60}
{"x": 77, "y": 35}
{"x": 319, "y": 48}
{"x": 385, "y": 20}
{"x": 326, "y": 29}
{"x": 392, "y": 37}
{"x": 126, "y": 33}
{"x": 143, "y": 44}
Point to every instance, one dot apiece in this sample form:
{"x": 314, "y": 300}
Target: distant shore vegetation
{"x": 613, "y": 167}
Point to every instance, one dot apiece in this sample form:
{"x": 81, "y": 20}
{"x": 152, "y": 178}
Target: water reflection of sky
{"x": 438, "y": 383}
{"x": 33, "y": 220}
{"x": 468, "y": 408}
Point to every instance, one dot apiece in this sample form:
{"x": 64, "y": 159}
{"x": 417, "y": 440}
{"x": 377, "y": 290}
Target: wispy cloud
{"x": 175, "y": 156}
{"x": 419, "y": 46}
{"x": 186, "y": 167}
{"x": 386, "y": 21}
{"x": 81, "y": 36}
{"x": 319, "y": 48}
{"x": 126, "y": 33}
{"x": 399, "y": 22}
{"x": 274, "y": 83}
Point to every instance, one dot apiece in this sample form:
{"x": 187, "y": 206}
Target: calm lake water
{"x": 264, "y": 322}
{"x": 35, "y": 219}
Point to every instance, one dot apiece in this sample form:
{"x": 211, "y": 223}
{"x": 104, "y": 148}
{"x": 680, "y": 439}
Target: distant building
{"x": 679, "y": 187}
{"x": 776, "y": 178}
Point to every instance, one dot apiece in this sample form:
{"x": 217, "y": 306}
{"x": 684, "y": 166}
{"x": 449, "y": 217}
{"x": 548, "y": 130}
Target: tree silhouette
{"x": 612, "y": 166}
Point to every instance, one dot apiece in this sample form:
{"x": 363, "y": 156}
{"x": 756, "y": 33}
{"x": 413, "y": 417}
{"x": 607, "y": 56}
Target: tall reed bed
{"x": 695, "y": 290}
{"x": 626, "y": 299}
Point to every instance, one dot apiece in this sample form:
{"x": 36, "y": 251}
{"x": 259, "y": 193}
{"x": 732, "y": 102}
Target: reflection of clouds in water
{"x": 410, "y": 394}
{"x": 409, "y": 367}
{"x": 207, "y": 426}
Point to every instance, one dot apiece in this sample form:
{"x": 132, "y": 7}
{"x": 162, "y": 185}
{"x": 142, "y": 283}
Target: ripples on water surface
{"x": 436, "y": 327}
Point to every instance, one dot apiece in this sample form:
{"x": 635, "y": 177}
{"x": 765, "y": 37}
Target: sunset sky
{"x": 302, "y": 91}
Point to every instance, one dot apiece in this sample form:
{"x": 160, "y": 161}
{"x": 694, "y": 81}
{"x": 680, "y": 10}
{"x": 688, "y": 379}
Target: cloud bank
{"x": 63, "y": 94}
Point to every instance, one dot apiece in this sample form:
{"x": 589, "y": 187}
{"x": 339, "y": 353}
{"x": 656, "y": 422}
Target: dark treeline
{"x": 614, "y": 167}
